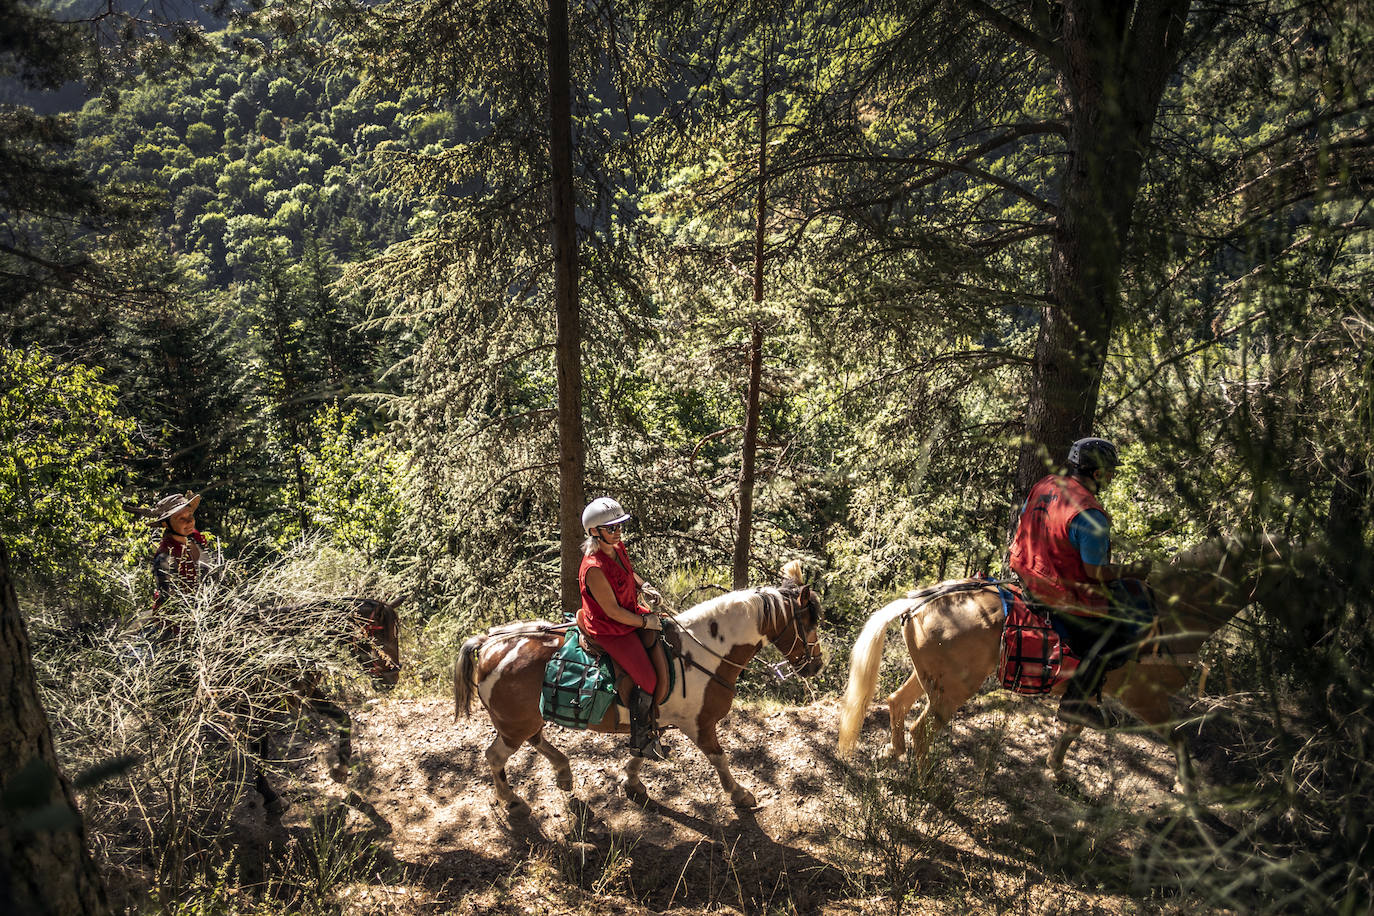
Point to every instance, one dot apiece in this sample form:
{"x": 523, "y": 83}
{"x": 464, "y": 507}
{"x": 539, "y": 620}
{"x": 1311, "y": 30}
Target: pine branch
{"x": 1017, "y": 32}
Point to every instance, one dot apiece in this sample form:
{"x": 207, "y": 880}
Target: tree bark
{"x": 739, "y": 572}
{"x": 45, "y": 867}
{"x": 1348, "y": 517}
{"x": 1117, "y": 59}
{"x": 744, "y": 530}
{"x": 568, "y": 341}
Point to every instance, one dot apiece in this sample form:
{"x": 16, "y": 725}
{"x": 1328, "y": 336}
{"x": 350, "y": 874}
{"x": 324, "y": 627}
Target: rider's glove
{"x": 1138, "y": 570}
{"x": 651, "y": 594}
{"x": 651, "y": 622}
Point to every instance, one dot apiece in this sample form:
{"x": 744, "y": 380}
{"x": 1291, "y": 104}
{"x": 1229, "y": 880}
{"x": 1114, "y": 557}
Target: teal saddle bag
{"x": 579, "y": 687}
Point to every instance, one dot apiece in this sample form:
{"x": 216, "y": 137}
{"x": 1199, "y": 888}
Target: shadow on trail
{"x": 734, "y": 865}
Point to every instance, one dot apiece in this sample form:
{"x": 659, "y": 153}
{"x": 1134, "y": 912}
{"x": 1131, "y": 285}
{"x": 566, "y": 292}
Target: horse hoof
{"x": 565, "y": 782}
{"x": 635, "y": 791}
{"x": 743, "y": 798}
{"x": 276, "y": 807}
{"x": 339, "y": 773}
{"x": 517, "y": 808}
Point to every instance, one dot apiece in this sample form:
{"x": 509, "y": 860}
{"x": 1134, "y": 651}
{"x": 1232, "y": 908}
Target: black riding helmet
{"x": 1087, "y": 455}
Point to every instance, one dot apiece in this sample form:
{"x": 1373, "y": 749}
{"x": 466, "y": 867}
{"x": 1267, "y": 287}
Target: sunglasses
{"x": 615, "y": 527}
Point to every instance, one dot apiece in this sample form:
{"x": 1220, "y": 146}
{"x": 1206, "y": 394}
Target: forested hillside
{"x": 399, "y": 287}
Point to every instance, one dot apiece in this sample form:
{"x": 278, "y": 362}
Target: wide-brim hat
{"x": 170, "y": 505}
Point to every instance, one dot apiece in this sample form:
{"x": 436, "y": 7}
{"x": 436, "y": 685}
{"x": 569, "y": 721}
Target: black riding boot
{"x": 643, "y": 733}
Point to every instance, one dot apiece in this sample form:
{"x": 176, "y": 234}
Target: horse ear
{"x": 398, "y": 602}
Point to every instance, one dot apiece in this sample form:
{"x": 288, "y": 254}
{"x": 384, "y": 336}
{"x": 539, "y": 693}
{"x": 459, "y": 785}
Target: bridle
{"x": 811, "y": 647}
{"x": 771, "y": 607}
{"x": 374, "y": 626}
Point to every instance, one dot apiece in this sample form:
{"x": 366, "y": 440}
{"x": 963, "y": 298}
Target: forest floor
{"x": 988, "y": 831}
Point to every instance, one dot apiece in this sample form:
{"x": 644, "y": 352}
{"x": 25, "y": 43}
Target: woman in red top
{"x": 612, "y": 616}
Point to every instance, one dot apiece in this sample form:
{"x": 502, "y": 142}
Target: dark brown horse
{"x": 953, "y": 634}
{"x": 375, "y": 643}
{"x": 504, "y": 669}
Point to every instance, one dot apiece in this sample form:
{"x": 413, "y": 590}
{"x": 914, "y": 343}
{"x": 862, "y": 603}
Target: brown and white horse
{"x": 504, "y": 669}
{"x": 953, "y": 633}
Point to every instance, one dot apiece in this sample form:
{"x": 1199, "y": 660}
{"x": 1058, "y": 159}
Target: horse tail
{"x": 864, "y": 663}
{"x": 464, "y": 676}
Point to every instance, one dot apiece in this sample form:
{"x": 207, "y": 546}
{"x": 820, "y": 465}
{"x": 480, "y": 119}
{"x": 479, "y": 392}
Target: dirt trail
{"x": 448, "y": 847}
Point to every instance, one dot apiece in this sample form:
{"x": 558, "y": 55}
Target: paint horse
{"x": 504, "y": 669}
{"x": 953, "y": 633}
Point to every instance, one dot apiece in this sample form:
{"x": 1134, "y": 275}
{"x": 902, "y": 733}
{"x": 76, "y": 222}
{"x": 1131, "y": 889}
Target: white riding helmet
{"x": 603, "y": 511}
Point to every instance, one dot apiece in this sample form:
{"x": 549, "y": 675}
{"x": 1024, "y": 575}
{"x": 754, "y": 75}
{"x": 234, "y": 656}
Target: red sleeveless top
{"x": 620, "y": 572}
{"x": 1043, "y": 556}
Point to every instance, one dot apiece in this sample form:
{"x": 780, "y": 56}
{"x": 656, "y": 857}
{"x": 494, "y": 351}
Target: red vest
{"x": 180, "y": 569}
{"x": 621, "y": 575}
{"x": 1042, "y": 555}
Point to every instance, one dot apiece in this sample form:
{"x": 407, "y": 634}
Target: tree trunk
{"x": 1117, "y": 59}
{"x": 568, "y": 342}
{"x": 1348, "y": 517}
{"x": 744, "y": 531}
{"x": 44, "y": 865}
{"x": 744, "y": 528}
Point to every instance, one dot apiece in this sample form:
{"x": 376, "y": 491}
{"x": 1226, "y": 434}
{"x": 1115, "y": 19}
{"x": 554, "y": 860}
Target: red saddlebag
{"x": 1033, "y": 656}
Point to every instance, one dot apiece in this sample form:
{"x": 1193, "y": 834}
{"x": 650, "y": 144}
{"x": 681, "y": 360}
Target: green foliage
{"x": 61, "y": 467}
{"x": 354, "y": 489}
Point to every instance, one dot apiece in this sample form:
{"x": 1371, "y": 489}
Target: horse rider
{"x": 179, "y": 554}
{"x": 1062, "y": 553}
{"x": 612, "y": 616}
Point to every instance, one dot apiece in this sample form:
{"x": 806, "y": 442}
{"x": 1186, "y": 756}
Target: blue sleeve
{"x": 1090, "y": 533}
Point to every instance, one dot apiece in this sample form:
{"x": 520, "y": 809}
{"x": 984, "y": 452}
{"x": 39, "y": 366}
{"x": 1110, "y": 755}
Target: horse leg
{"x": 630, "y": 782}
{"x": 498, "y": 752}
{"x": 943, "y": 700}
{"x": 561, "y": 768}
{"x": 272, "y": 802}
{"x": 740, "y": 797}
{"x": 1148, "y": 700}
{"x": 898, "y": 705}
{"x": 343, "y": 745}
{"x": 1061, "y": 749}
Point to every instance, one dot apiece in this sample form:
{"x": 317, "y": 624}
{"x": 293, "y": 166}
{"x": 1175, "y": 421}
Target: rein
{"x": 770, "y": 607}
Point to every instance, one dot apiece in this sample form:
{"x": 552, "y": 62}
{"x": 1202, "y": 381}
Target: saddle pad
{"x": 578, "y": 689}
{"x": 1033, "y": 658}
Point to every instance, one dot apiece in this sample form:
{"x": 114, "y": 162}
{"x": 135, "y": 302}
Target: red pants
{"x": 629, "y": 653}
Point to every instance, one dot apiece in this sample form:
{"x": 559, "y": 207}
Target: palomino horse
{"x": 953, "y": 634}
{"x": 504, "y": 668}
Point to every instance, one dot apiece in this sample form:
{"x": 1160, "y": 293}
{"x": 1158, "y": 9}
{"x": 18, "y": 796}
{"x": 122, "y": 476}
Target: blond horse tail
{"x": 464, "y": 676}
{"x": 864, "y": 664}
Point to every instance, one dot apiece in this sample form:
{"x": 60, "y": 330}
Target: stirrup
{"x": 652, "y": 749}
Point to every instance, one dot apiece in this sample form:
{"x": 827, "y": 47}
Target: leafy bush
{"x": 63, "y": 437}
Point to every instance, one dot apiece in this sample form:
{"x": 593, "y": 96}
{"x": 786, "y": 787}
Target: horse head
{"x": 1209, "y": 583}
{"x": 797, "y": 631}
{"x": 379, "y": 647}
